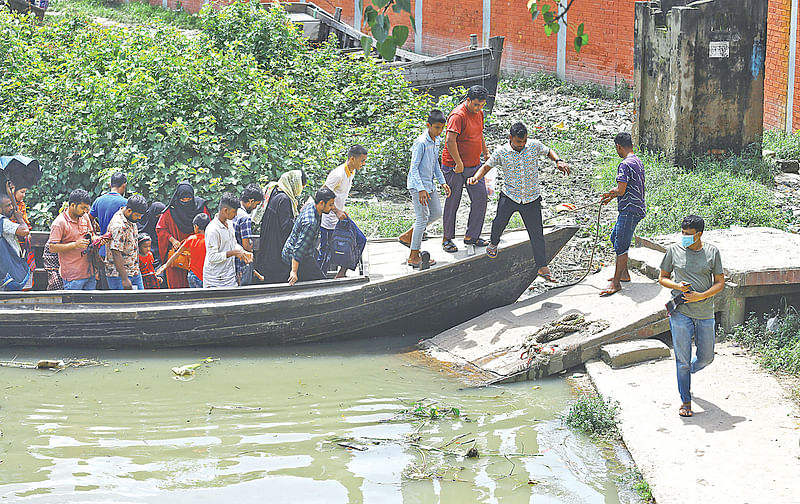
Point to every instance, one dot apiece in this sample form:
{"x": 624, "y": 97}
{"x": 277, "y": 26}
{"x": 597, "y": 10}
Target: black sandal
{"x": 449, "y": 246}
{"x": 478, "y": 242}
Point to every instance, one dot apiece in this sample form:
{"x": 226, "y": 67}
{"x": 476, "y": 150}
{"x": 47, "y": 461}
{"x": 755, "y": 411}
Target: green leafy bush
{"x": 786, "y": 146}
{"x": 724, "y": 193}
{"x": 240, "y": 102}
{"x": 126, "y": 12}
{"x": 779, "y": 347}
{"x": 594, "y": 416}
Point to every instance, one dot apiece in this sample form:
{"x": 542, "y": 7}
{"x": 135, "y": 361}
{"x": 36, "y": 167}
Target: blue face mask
{"x": 687, "y": 240}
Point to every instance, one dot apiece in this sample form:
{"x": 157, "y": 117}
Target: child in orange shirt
{"x": 196, "y": 245}
{"x": 149, "y": 278}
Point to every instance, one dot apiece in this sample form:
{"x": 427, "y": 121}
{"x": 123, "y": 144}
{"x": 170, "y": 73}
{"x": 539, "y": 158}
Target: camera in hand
{"x": 676, "y": 301}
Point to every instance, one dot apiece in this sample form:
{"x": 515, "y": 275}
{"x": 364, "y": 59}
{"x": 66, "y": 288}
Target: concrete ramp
{"x": 488, "y": 348}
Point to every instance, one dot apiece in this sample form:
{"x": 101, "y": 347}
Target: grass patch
{"x": 131, "y": 13}
{"x": 379, "y": 220}
{"x": 544, "y": 81}
{"x": 777, "y": 344}
{"x": 594, "y": 416}
{"x": 724, "y": 192}
{"x": 786, "y": 146}
{"x": 638, "y": 484}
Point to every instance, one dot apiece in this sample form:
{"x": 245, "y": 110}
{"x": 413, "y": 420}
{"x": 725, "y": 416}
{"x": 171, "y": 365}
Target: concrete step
{"x": 646, "y": 261}
{"x": 626, "y": 353}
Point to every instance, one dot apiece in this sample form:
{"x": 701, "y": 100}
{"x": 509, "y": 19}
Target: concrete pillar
{"x": 487, "y": 21}
{"x": 418, "y": 24}
{"x": 733, "y": 311}
{"x": 561, "y": 53}
{"x": 165, "y": 4}
{"x": 357, "y": 14}
{"x": 791, "y": 73}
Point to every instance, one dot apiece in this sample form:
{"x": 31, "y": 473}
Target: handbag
{"x": 182, "y": 261}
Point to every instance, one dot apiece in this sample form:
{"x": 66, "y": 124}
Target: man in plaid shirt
{"x": 251, "y": 197}
{"x": 300, "y": 250}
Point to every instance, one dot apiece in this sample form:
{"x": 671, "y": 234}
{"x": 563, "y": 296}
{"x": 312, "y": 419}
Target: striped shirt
{"x": 631, "y": 171}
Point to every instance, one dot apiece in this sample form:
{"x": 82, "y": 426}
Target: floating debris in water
{"x": 53, "y": 364}
{"x": 186, "y": 372}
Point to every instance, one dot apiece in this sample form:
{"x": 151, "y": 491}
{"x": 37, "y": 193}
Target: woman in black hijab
{"x": 175, "y": 225}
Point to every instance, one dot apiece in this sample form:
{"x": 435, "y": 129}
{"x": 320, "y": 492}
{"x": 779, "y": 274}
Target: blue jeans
{"x": 622, "y": 234}
{"x": 194, "y": 281}
{"x": 683, "y": 328}
{"x": 115, "y": 283}
{"x": 425, "y": 215}
{"x": 81, "y": 284}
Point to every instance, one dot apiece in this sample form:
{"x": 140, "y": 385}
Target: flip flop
{"x": 686, "y": 410}
{"x": 608, "y": 292}
{"x": 478, "y": 242}
{"x": 548, "y": 277}
{"x": 405, "y": 244}
{"x": 418, "y": 265}
{"x": 491, "y": 251}
{"x": 449, "y": 246}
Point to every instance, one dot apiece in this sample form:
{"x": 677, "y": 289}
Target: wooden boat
{"x": 387, "y": 299}
{"x": 434, "y": 75}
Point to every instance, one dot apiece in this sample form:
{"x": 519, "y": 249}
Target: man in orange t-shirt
{"x": 464, "y": 146}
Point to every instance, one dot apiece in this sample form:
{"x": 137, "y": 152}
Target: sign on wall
{"x": 721, "y": 49}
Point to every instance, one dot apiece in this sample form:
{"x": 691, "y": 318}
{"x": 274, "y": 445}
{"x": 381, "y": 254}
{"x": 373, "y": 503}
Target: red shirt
{"x": 148, "y": 271}
{"x": 469, "y": 128}
{"x": 196, "y": 245}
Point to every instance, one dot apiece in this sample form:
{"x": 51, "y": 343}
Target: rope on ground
{"x": 590, "y": 266}
{"x": 534, "y": 346}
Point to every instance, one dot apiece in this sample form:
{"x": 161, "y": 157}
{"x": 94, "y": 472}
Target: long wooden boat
{"x": 434, "y": 75}
{"x": 386, "y": 299}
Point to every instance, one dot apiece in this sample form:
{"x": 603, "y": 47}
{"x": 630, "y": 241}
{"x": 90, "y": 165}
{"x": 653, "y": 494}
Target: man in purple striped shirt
{"x": 631, "y": 206}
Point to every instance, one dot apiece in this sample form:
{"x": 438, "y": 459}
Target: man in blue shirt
{"x": 424, "y": 172}
{"x": 300, "y": 250}
{"x": 104, "y": 207}
{"x": 630, "y": 204}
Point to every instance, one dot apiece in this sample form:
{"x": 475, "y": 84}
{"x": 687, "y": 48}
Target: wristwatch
{"x": 557, "y": 161}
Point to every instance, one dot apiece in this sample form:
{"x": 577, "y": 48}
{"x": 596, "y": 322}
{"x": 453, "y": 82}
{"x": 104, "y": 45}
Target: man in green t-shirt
{"x": 697, "y": 269}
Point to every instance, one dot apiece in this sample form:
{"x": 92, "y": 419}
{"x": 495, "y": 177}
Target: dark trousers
{"x": 309, "y": 270}
{"x": 531, "y": 214}
{"x": 478, "y": 198}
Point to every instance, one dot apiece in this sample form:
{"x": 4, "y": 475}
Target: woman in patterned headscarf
{"x": 278, "y": 210}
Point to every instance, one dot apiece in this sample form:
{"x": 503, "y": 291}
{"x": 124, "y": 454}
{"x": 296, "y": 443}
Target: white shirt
{"x": 219, "y": 270}
{"x": 340, "y": 184}
{"x": 10, "y": 234}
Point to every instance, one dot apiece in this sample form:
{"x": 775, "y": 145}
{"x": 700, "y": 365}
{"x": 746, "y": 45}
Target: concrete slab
{"x": 741, "y": 446}
{"x": 626, "y": 353}
{"x": 750, "y": 256}
{"x": 487, "y": 349}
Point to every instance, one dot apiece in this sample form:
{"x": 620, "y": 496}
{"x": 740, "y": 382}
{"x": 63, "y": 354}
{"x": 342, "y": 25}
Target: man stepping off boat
{"x": 518, "y": 164}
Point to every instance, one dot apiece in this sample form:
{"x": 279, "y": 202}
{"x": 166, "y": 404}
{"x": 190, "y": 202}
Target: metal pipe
{"x": 357, "y": 14}
{"x": 561, "y": 50}
{"x": 487, "y": 21}
{"x": 791, "y": 73}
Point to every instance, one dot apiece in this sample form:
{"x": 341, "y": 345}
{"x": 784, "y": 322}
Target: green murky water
{"x": 256, "y": 427}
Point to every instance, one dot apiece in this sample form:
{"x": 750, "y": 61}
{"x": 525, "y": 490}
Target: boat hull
{"x": 421, "y": 303}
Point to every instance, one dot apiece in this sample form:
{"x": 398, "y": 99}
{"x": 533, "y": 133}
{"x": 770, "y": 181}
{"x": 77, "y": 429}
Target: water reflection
{"x": 259, "y": 426}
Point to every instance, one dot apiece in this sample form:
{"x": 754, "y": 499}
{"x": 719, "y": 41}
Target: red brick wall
{"x": 606, "y": 60}
{"x": 777, "y": 68}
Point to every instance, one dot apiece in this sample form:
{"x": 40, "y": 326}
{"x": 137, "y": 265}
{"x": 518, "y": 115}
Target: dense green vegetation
{"x": 777, "y": 345}
{"x": 545, "y": 81}
{"x": 242, "y": 101}
{"x": 122, "y": 12}
{"x": 784, "y": 145}
{"x": 594, "y": 416}
{"x": 726, "y": 193}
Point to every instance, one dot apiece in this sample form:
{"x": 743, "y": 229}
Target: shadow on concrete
{"x": 713, "y": 418}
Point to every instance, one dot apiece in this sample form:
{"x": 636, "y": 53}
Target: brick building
{"x": 445, "y": 27}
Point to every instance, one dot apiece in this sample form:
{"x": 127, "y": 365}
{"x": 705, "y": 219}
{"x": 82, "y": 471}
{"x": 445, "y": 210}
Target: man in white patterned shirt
{"x": 518, "y": 164}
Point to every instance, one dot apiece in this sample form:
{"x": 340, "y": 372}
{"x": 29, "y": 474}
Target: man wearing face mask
{"x": 693, "y": 268}
{"x": 122, "y": 256}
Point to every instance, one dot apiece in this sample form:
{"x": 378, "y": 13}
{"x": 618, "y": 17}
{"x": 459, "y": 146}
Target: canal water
{"x": 343, "y": 423}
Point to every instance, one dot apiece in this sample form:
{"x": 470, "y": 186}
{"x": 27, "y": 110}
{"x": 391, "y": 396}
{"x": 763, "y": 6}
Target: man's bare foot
{"x": 625, "y": 278}
{"x": 611, "y": 289}
{"x": 545, "y": 273}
